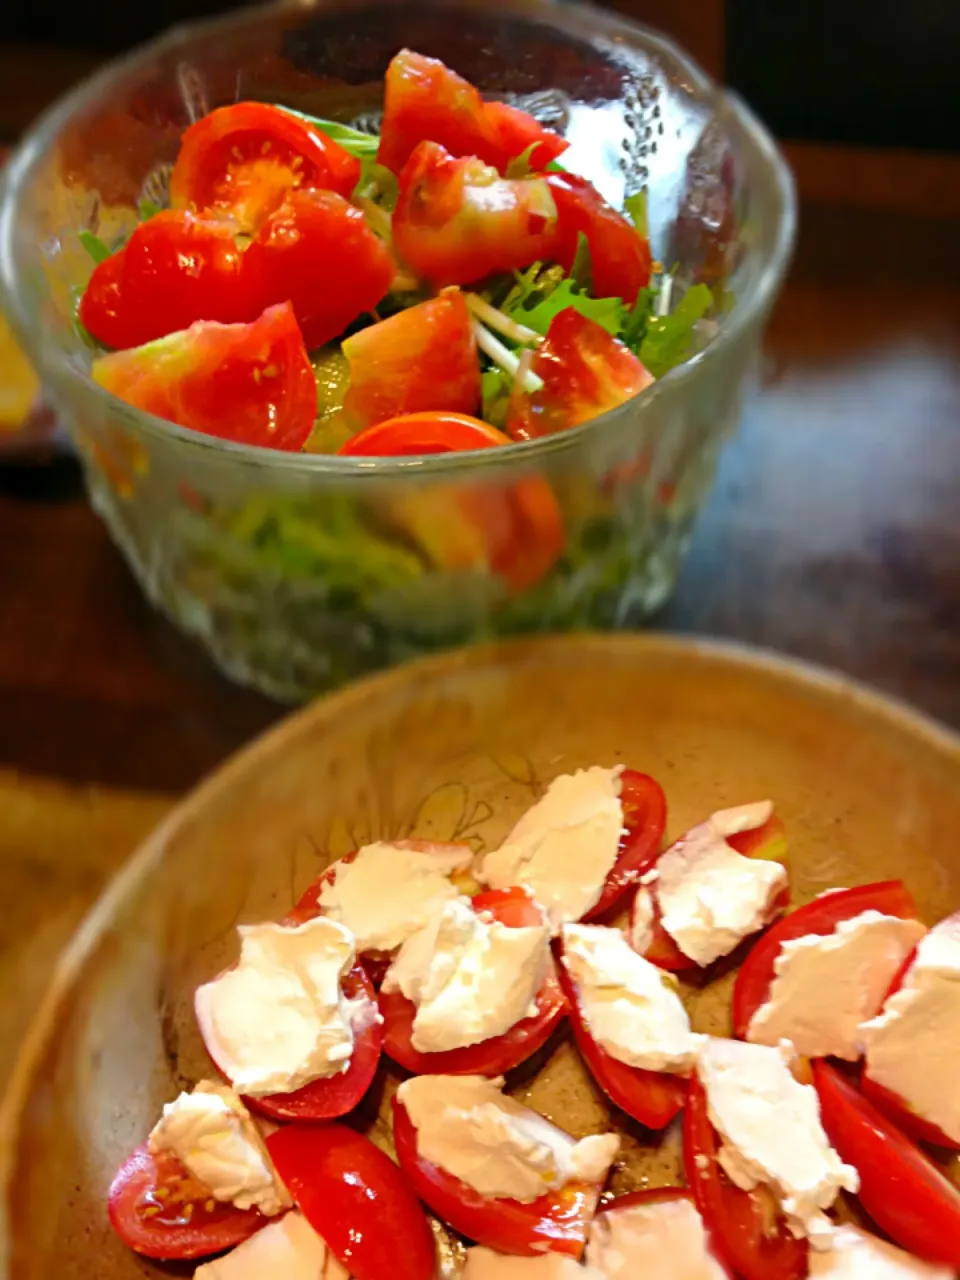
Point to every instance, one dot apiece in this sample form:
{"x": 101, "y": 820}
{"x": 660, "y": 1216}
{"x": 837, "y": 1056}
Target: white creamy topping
{"x": 211, "y": 1132}
{"x": 825, "y": 987}
{"x": 641, "y": 920}
{"x": 286, "y": 1250}
{"x": 857, "y": 1255}
{"x": 912, "y": 1047}
{"x": 663, "y": 1240}
{"x": 280, "y": 1019}
{"x": 485, "y": 1264}
{"x": 389, "y": 891}
{"x": 770, "y": 1127}
{"x": 628, "y": 1004}
{"x": 471, "y": 978}
{"x": 563, "y": 848}
{"x": 467, "y": 1126}
{"x": 712, "y": 897}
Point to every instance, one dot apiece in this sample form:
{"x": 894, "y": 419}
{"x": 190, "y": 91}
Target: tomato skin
{"x": 318, "y": 252}
{"x": 620, "y": 256}
{"x": 457, "y": 220}
{"x": 156, "y": 1236}
{"x": 652, "y": 1098}
{"x": 900, "y": 1188}
{"x": 101, "y": 310}
{"x": 644, "y": 820}
{"x": 500, "y": 1054}
{"x": 555, "y": 1223}
{"x": 585, "y": 371}
{"x": 413, "y": 434}
{"x": 425, "y": 100}
{"x": 734, "y": 1219}
{"x": 821, "y": 916}
{"x": 357, "y": 1199}
{"x": 248, "y": 156}
{"x": 252, "y": 383}
{"x": 420, "y": 360}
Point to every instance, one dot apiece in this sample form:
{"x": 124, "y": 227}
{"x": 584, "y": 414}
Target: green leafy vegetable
{"x": 668, "y": 340}
{"x": 520, "y": 166}
{"x": 97, "y": 250}
{"x": 607, "y": 312}
{"x": 148, "y": 209}
{"x": 496, "y": 384}
{"x": 362, "y": 145}
{"x": 635, "y": 322}
{"x": 581, "y": 272}
{"x": 377, "y": 183}
{"x": 635, "y": 207}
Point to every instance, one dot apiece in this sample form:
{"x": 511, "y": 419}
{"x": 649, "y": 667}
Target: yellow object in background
{"x": 19, "y": 385}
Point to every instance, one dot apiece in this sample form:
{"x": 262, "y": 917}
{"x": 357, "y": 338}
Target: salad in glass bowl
{"x": 371, "y": 351}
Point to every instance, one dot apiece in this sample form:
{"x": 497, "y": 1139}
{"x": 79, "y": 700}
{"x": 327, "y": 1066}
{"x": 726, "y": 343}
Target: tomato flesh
{"x": 585, "y": 372}
{"x": 900, "y": 1188}
{"x": 737, "y": 1222}
{"x": 496, "y": 1056}
{"x": 160, "y": 1210}
{"x": 644, "y": 820}
{"x": 252, "y": 383}
{"x": 457, "y": 220}
{"x": 619, "y": 255}
{"x": 421, "y": 360}
{"x": 518, "y": 134}
{"x": 557, "y": 1222}
{"x": 413, "y": 434}
{"x": 357, "y": 1199}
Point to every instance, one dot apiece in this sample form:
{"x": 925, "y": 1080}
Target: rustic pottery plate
{"x": 452, "y": 748}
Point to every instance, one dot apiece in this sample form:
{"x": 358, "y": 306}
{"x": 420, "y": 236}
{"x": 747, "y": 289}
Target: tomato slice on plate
{"x": 411, "y": 434}
{"x": 644, "y": 819}
{"x": 252, "y": 383}
{"x": 619, "y": 254}
{"x": 900, "y": 1188}
{"x": 516, "y": 134}
{"x": 557, "y": 1222}
{"x": 493, "y": 1057}
{"x": 747, "y": 1232}
{"x": 821, "y": 916}
{"x": 585, "y": 372}
{"x": 457, "y": 220}
{"x": 422, "y": 359}
{"x": 357, "y": 1199}
{"x": 653, "y": 1098}
{"x": 160, "y": 1210}
{"x": 248, "y": 156}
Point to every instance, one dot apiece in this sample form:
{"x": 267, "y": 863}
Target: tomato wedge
{"x": 644, "y": 819}
{"x": 252, "y": 383}
{"x": 555, "y": 1223}
{"x": 652, "y": 1098}
{"x": 821, "y": 916}
{"x": 457, "y": 220}
{"x": 412, "y": 434}
{"x": 742, "y": 1232}
{"x": 493, "y": 1057}
{"x": 619, "y": 255}
{"x": 900, "y": 1188}
{"x": 160, "y": 1210}
{"x": 422, "y": 359}
{"x": 585, "y": 372}
{"x": 317, "y": 251}
{"x": 425, "y": 100}
{"x": 248, "y": 156}
{"x": 357, "y": 1199}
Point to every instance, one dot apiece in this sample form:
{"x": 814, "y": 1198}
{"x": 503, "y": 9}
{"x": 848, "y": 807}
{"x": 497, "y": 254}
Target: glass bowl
{"x": 298, "y": 572}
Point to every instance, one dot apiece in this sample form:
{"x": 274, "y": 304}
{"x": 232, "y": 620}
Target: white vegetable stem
{"x": 502, "y": 323}
{"x": 491, "y": 345}
{"x": 663, "y": 297}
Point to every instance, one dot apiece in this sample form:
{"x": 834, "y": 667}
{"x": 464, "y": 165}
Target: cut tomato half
{"x": 411, "y": 434}
{"x": 644, "y": 820}
{"x": 555, "y": 1223}
{"x": 160, "y": 1210}
{"x": 619, "y": 254}
{"x": 494, "y": 1057}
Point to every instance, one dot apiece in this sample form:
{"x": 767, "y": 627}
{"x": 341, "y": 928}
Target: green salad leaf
{"x": 581, "y": 272}
{"x": 362, "y": 145}
{"x": 520, "y": 166}
{"x": 148, "y": 209}
{"x": 607, "y": 312}
{"x": 668, "y": 340}
{"x": 635, "y": 207}
{"x": 495, "y": 384}
{"x": 97, "y": 250}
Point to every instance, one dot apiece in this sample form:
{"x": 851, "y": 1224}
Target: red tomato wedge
{"x": 494, "y": 1057}
{"x": 644, "y": 819}
{"x": 426, "y": 101}
{"x": 457, "y": 221}
{"x": 585, "y": 372}
{"x": 555, "y": 1223}
{"x": 620, "y": 256}
{"x": 175, "y": 269}
{"x": 421, "y": 360}
{"x": 746, "y": 1233}
{"x": 318, "y": 252}
{"x": 652, "y": 1098}
{"x": 412, "y": 434}
{"x": 357, "y": 1199}
{"x": 900, "y": 1188}
{"x": 160, "y": 1210}
{"x": 248, "y": 156}
{"x": 252, "y": 383}
{"x": 821, "y": 916}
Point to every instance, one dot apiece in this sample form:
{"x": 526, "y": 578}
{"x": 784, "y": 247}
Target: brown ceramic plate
{"x": 451, "y": 748}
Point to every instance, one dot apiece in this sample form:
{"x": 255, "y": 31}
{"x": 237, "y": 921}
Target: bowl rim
{"x": 797, "y": 673}
{"x": 41, "y": 136}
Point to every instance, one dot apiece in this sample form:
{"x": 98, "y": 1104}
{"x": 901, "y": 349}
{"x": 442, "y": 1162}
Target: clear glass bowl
{"x": 298, "y": 572}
